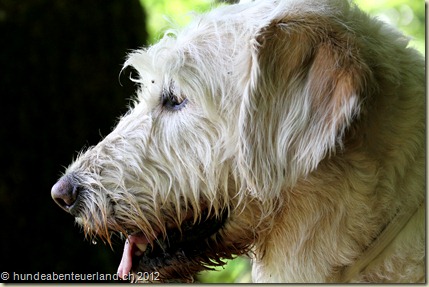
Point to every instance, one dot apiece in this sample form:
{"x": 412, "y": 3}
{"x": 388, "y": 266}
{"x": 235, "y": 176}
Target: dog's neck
{"x": 329, "y": 214}
{"x": 385, "y": 238}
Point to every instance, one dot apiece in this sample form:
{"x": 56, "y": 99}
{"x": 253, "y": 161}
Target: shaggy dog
{"x": 292, "y": 131}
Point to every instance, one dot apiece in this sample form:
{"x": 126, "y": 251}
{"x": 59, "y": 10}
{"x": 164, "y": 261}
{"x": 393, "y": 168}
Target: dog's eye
{"x": 172, "y": 102}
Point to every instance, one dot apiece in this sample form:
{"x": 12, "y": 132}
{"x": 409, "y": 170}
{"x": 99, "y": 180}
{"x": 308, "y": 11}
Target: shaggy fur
{"x": 292, "y": 131}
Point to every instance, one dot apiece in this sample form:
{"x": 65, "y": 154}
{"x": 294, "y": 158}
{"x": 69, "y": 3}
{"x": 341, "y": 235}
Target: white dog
{"x": 292, "y": 131}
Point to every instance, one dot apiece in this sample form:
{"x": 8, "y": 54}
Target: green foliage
{"x": 236, "y": 271}
{"x": 163, "y": 14}
{"x": 408, "y": 16}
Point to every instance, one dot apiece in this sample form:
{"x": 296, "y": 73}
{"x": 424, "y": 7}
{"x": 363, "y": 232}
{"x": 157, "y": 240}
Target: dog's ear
{"x": 303, "y": 90}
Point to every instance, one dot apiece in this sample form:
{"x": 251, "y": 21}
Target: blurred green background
{"x": 408, "y": 16}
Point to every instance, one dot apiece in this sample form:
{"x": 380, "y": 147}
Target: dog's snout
{"x": 65, "y": 193}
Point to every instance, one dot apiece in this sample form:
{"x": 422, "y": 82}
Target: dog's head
{"x": 230, "y": 111}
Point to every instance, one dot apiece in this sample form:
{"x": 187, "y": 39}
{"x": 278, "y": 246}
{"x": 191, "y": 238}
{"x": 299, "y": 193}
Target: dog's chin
{"x": 182, "y": 253}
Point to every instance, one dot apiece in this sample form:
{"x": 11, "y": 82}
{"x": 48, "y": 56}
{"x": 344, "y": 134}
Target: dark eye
{"x": 171, "y": 101}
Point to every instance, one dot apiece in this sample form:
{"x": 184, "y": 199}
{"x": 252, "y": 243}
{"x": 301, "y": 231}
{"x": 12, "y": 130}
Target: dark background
{"x": 60, "y": 91}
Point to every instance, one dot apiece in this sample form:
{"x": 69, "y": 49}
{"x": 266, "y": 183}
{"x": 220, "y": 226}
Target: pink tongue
{"x": 127, "y": 256}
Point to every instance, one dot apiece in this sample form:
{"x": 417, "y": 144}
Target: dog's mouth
{"x": 179, "y": 255}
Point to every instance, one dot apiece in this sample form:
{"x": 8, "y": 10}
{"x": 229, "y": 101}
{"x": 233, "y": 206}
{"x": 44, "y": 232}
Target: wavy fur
{"x": 304, "y": 123}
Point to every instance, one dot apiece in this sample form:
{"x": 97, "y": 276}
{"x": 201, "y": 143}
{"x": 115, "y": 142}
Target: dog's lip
{"x": 135, "y": 245}
{"x": 139, "y": 247}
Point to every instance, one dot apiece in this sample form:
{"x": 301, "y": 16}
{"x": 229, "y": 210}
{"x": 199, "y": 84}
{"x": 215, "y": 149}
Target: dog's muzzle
{"x": 65, "y": 193}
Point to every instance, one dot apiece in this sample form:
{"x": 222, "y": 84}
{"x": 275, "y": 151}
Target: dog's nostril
{"x": 64, "y": 193}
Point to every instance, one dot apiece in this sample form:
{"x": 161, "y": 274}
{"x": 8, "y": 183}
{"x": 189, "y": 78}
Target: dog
{"x": 289, "y": 131}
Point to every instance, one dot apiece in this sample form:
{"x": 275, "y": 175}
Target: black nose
{"x": 65, "y": 193}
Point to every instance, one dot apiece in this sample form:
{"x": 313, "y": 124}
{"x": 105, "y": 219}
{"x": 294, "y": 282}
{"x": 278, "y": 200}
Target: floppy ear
{"x": 303, "y": 90}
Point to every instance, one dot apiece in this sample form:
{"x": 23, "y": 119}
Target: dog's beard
{"x": 180, "y": 252}
{"x": 160, "y": 249}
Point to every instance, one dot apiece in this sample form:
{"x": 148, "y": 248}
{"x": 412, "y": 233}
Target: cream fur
{"x": 305, "y": 120}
